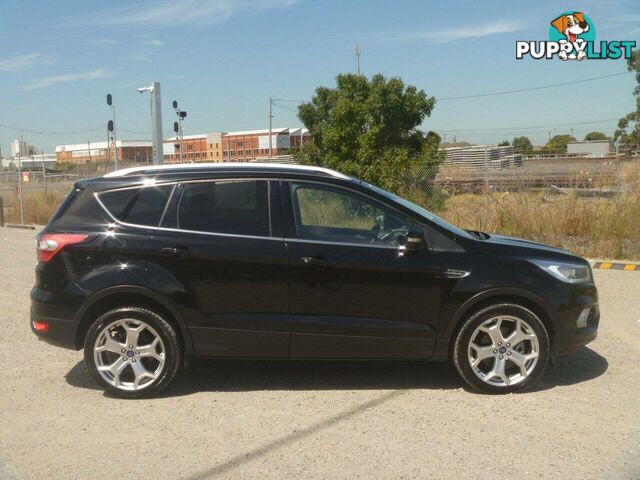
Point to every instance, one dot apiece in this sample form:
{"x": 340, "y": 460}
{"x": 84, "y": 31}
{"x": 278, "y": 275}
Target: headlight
{"x": 567, "y": 272}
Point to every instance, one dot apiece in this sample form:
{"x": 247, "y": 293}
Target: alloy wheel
{"x": 129, "y": 354}
{"x": 503, "y": 350}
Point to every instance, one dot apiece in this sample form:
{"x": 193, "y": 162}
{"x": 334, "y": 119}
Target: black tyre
{"x": 132, "y": 352}
{"x": 501, "y": 348}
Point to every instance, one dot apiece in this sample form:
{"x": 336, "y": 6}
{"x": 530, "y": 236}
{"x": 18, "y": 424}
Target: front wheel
{"x": 132, "y": 352}
{"x": 501, "y": 348}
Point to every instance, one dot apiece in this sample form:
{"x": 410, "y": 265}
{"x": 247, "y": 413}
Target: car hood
{"x": 505, "y": 241}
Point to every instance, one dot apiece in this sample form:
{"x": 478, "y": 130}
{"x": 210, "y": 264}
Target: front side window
{"x": 337, "y": 215}
{"x": 140, "y": 206}
{"x": 239, "y": 207}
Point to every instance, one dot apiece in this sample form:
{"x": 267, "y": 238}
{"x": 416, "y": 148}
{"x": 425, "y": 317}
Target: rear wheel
{"x": 502, "y": 348}
{"x": 132, "y": 352}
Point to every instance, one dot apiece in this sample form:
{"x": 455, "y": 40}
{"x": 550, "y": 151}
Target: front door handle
{"x": 318, "y": 261}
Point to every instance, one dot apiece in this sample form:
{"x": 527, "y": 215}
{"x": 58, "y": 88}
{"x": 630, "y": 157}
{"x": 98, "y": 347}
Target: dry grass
{"x": 38, "y": 207}
{"x": 592, "y": 227}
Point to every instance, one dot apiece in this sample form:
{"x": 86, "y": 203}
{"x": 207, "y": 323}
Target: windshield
{"x": 423, "y": 212}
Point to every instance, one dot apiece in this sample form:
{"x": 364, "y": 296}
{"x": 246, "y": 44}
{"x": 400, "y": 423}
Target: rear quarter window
{"x": 140, "y": 206}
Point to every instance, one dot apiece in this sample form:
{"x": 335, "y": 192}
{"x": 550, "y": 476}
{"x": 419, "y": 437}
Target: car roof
{"x": 177, "y": 168}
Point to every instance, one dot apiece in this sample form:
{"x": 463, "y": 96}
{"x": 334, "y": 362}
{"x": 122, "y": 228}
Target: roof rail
{"x": 223, "y": 166}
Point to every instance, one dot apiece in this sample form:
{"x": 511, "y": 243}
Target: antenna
{"x": 357, "y": 59}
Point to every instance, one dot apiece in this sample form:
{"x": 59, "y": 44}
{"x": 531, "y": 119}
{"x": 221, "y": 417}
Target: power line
{"x": 531, "y": 89}
{"x": 511, "y": 129}
{"x": 44, "y": 132}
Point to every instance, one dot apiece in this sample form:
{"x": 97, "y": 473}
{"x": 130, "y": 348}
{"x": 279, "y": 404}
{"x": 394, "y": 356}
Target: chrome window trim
{"x": 234, "y": 235}
{"x": 343, "y": 244}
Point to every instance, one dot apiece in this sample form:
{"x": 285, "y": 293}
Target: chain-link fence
{"x": 586, "y": 204}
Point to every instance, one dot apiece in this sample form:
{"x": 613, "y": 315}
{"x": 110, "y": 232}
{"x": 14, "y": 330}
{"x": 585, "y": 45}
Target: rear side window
{"x": 140, "y": 206}
{"x": 234, "y": 207}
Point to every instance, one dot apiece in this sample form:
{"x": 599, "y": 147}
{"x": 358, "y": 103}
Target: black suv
{"x": 144, "y": 266}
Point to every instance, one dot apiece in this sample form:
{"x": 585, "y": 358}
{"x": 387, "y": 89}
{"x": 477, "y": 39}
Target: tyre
{"x": 501, "y": 348}
{"x": 132, "y": 352}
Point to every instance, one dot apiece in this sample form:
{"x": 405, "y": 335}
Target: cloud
{"x": 22, "y": 63}
{"x": 69, "y": 78}
{"x": 174, "y": 13}
{"x": 463, "y": 33}
{"x": 154, "y": 42}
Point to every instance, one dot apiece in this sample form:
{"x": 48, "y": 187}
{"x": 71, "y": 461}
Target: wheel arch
{"x": 130, "y": 295}
{"x": 502, "y": 295}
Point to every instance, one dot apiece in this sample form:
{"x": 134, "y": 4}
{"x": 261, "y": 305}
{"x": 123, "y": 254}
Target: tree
{"x": 522, "y": 145}
{"x": 595, "y": 136}
{"x": 369, "y": 129}
{"x": 504, "y": 143}
{"x": 558, "y": 143}
{"x": 628, "y": 132}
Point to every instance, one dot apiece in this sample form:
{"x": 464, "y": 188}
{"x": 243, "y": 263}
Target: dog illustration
{"x": 571, "y": 25}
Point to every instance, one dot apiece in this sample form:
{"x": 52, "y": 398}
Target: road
{"x": 278, "y": 420}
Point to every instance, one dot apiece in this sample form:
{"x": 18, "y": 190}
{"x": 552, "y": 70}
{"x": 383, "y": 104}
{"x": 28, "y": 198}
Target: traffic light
{"x": 176, "y": 127}
{"x": 176, "y": 146}
{"x": 175, "y": 104}
{"x": 109, "y": 99}
{"x": 110, "y": 125}
{"x": 183, "y": 115}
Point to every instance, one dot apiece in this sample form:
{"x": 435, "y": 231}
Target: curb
{"x": 18, "y": 225}
{"x": 629, "y": 267}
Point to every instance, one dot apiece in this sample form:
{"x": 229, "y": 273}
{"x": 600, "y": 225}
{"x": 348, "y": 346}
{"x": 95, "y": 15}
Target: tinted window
{"x": 142, "y": 206}
{"x": 235, "y": 207}
{"x": 332, "y": 214}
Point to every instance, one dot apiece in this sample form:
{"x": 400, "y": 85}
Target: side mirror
{"x": 413, "y": 239}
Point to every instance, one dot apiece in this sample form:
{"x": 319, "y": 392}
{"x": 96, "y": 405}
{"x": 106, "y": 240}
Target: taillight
{"x": 50, "y": 244}
{"x": 42, "y": 327}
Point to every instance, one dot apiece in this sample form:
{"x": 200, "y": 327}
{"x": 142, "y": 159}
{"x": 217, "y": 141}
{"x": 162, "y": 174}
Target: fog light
{"x": 42, "y": 327}
{"x": 582, "y": 319}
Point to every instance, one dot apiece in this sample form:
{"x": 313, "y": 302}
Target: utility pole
{"x": 572, "y": 132}
{"x": 44, "y": 174}
{"x": 20, "y": 181}
{"x": 357, "y": 59}
{"x": 270, "y": 126}
{"x": 156, "y": 120}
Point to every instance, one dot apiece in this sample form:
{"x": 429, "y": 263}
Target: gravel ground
{"x": 224, "y": 419}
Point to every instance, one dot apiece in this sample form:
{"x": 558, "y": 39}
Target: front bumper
{"x": 579, "y": 322}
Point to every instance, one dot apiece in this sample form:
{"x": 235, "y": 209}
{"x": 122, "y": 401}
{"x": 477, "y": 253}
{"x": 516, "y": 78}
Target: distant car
{"x": 144, "y": 266}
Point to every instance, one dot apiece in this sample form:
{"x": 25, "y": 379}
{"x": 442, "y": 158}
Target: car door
{"x": 218, "y": 241}
{"x": 354, "y": 292}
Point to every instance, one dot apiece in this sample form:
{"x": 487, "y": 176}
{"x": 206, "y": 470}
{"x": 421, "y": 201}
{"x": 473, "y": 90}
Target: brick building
{"x": 194, "y": 149}
{"x": 129, "y": 151}
{"x": 240, "y": 146}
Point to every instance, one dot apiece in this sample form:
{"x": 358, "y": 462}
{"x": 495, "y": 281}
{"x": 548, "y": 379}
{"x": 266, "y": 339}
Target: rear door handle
{"x": 178, "y": 250}
{"x": 318, "y": 261}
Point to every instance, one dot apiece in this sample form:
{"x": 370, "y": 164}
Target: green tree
{"x": 628, "y": 132}
{"x": 522, "y": 145}
{"x": 595, "y": 136}
{"x": 369, "y": 129}
{"x": 504, "y": 143}
{"x": 558, "y": 144}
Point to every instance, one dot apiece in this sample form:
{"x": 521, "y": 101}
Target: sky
{"x": 223, "y": 59}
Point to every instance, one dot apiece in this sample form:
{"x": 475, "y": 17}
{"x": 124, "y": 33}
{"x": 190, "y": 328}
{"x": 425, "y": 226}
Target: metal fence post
{"x": 1, "y": 213}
